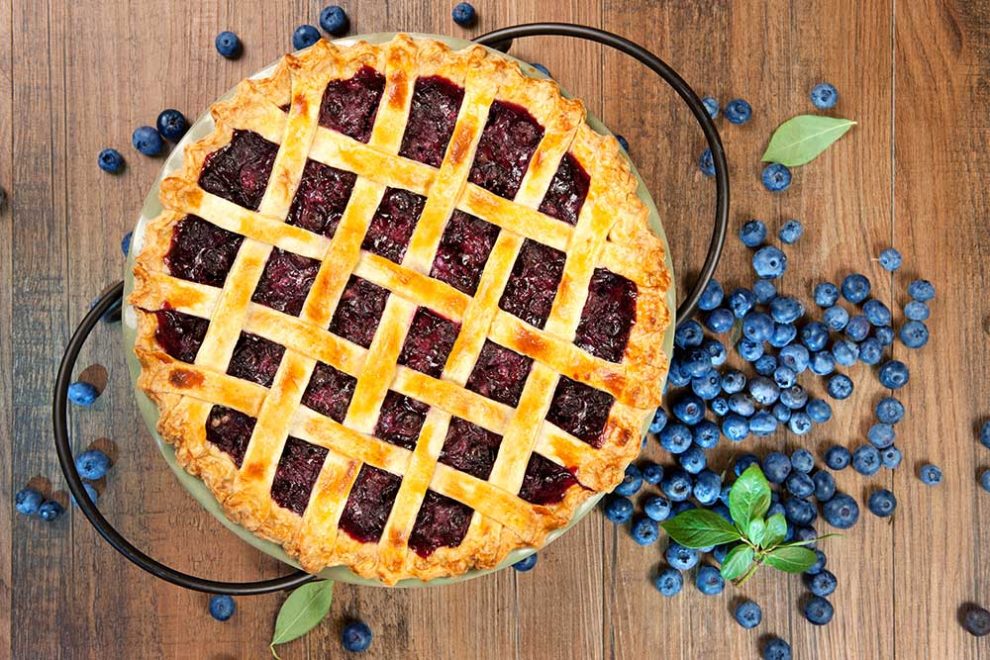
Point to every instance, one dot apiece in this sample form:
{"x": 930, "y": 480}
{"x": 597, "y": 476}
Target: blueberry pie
{"x": 402, "y": 311}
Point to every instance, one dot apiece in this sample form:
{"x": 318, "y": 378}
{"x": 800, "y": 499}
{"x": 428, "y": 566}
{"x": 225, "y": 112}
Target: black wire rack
{"x": 502, "y": 40}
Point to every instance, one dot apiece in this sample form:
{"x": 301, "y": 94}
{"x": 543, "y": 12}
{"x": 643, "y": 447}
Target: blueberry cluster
{"x": 92, "y": 466}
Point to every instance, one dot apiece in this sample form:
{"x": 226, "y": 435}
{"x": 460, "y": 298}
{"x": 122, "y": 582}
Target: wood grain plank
{"x": 6, "y": 301}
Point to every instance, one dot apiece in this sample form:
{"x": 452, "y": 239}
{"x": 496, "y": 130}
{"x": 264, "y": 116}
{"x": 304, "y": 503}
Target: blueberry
{"x": 709, "y": 581}
{"x": 876, "y": 312}
{"x": 356, "y": 635}
{"x": 841, "y": 511}
{"x": 147, "y": 140}
{"x": 776, "y": 467}
{"x": 711, "y": 106}
{"x": 777, "y": 649}
{"x": 711, "y": 296}
{"x": 921, "y": 290}
{"x": 822, "y": 363}
{"x": 764, "y": 290}
{"x": 819, "y": 564}
{"x": 659, "y": 421}
{"x": 689, "y": 409}
{"x": 914, "y": 334}
{"x": 890, "y": 259}
{"x": 333, "y": 20}
{"x": 894, "y": 374}
{"x": 985, "y": 434}
{"x": 706, "y": 434}
{"x": 858, "y": 328}
{"x": 836, "y": 318}
{"x": 92, "y": 464}
{"x": 840, "y": 387}
{"x": 794, "y": 397}
{"x": 930, "y": 475}
{"x": 785, "y": 309}
{"x": 125, "y": 243}
{"x": 688, "y": 334}
{"x": 50, "y": 510}
{"x": 855, "y": 288}
{"x": 692, "y": 459}
{"x": 784, "y": 377}
{"x": 669, "y": 582}
{"x": 770, "y": 262}
{"x": 677, "y": 485}
{"x": 750, "y": 351}
{"x": 228, "y": 45}
{"x": 91, "y": 493}
{"x": 866, "y": 460}
{"x": 652, "y": 472}
{"x": 748, "y": 614}
{"x": 707, "y": 487}
{"x": 799, "y": 511}
{"x": 884, "y": 335}
{"x": 464, "y": 14}
{"x": 818, "y": 610}
{"x": 776, "y": 177}
{"x": 881, "y": 435}
{"x": 716, "y": 351}
{"x": 696, "y": 363}
{"x": 27, "y": 501}
{"x": 706, "y": 163}
{"x": 757, "y": 326}
{"x": 838, "y": 457}
{"x": 800, "y": 484}
{"x": 656, "y": 507}
{"x": 623, "y": 142}
{"x": 719, "y": 405}
{"x": 824, "y": 96}
{"x": 83, "y": 394}
{"x": 775, "y": 507}
{"x": 763, "y": 424}
{"x": 795, "y": 357}
{"x": 111, "y": 161}
{"x": 824, "y": 485}
{"x": 631, "y": 482}
{"x": 891, "y": 457}
{"x": 781, "y": 412}
{"x": 222, "y": 607}
{"x": 826, "y": 294}
{"x": 819, "y": 411}
{"x": 870, "y": 351}
{"x": 681, "y": 558}
{"x": 172, "y": 125}
{"x": 676, "y": 376}
{"x": 976, "y": 620}
{"x": 719, "y": 320}
{"x": 526, "y": 563}
{"x": 645, "y": 531}
{"x": 618, "y": 509}
{"x": 916, "y": 311}
{"x": 802, "y": 460}
{"x": 677, "y": 508}
{"x": 753, "y": 233}
{"x": 741, "y": 301}
{"x": 791, "y": 232}
{"x": 738, "y": 111}
{"x": 675, "y": 438}
{"x": 743, "y": 462}
{"x": 764, "y": 391}
{"x": 742, "y": 404}
{"x": 733, "y": 381}
{"x": 845, "y": 352}
{"x": 305, "y": 36}
{"x": 882, "y": 504}
{"x": 799, "y": 423}
{"x": 783, "y": 334}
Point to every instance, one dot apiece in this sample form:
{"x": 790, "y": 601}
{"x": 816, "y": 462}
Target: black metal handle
{"x": 506, "y": 35}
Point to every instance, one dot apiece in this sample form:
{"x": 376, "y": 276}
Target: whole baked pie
{"x": 403, "y": 311}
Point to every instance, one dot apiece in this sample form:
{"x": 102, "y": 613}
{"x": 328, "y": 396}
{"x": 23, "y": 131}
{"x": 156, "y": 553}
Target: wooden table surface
{"x": 79, "y": 76}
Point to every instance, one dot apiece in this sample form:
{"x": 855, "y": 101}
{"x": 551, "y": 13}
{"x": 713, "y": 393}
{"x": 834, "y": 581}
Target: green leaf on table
{"x": 737, "y": 562}
{"x": 776, "y": 530}
{"x": 757, "y": 531}
{"x": 801, "y": 139}
{"x": 302, "y": 611}
{"x": 700, "y": 528}
{"x": 749, "y": 497}
{"x": 791, "y": 559}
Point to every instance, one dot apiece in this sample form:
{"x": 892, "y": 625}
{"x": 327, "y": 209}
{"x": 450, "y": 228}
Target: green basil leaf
{"x": 791, "y": 559}
{"x": 776, "y": 530}
{"x": 737, "y": 562}
{"x": 302, "y": 611}
{"x": 700, "y": 528}
{"x": 757, "y": 530}
{"x": 749, "y": 497}
{"x": 801, "y": 139}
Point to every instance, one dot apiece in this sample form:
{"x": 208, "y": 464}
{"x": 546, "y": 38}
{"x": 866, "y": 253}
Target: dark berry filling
{"x": 400, "y": 420}
{"x": 464, "y": 248}
{"x": 349, "y": 106}
{"x": 545, "y": 481}
{"x": 321, "y": 198}
{"x": 256, "y": 359}
{"x": 359, "y": 311}
{"x": 428, "y": 342}
{"x": 435, "y": 104}
{"x": 239, "y": 172}
{"x": 201, "y": 252}
{"x": 230, "y": 431}
{"x": 507, "y": 144}
{"x": 393, "y": 224}
{"x": 470, "y": 448}
{"x": 296, "y": 473}
{"x": 329, "y": 391}
{"x": 286, "y": 281}
{"x": 441, "y": 522}
{"x": 608, "y": 315}
{"x": 499, "y": 374}
{"x": 580, "y": 410}
{"x": 369, "y": 504}
{"x": 180, "y": 334}
{"x": 567, "y": 191}
{"x": 532, "y": 286}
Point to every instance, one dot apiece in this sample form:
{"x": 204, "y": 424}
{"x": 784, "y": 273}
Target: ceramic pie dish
{"x": 435, "y": 321}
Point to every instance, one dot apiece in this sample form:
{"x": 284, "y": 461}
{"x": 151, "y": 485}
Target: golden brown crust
{"x": 611, "y": 232}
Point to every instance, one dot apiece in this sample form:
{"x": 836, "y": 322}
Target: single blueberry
{"x": 659, "y": 421}
{"x": 800, "y": 484}
{"x": 985, "y": 434}
{"x": 305, "y": 36}
{"x": 799, "y": 511}
{"x": 795, "y": 357}
{"x": 763, "y": 390}
{"x": 706, "y": 163}
{"x": 688, "y": 334}
{"x": 334, "y": 21}
{"x": 881, "y": 435}
{"x": 677, "y": 376}
{"x": 709, "y": 581}
{"x": 750, "y": 351}
{"x": 645, "y": 531}
{"x": 741, "y": 301}
{"x": 706, "y": 434}
{"x": 681, "y": 558}
{"x": 785, "y": 309}
{"x": 930, "y": 475}
{"x": 800, "y": 423}
{"x": 866, "y": 460}
{"x": 769, "y": 262}
{"x": 870, "y": 351}
{"x": 356, "y": 635}
{"x": 791, "y": 232}
{"x": 783, "y": 334}
{"x": 111, "y": 161}
{"x": 766, "y": 365}
{"x": 738, "y": 111}
{"x": 841, "y": 511}
{"x": 719, "y": 320}
{"x": 526, "y": 564}
{"x": 92, "y": 464}
{"x": 822, "y": 363}
{"x": 675, "y": 438}
{"x": 222, "y": 607}
{"x": 821, "y": 584}
{"x": 689, "y": 409}
{"x": 819, "y": 564}
{"x": 748, "y": 614}
{"x": 228, "y": 45}
{"x": 632, "y": 481}
{"x": 921, "y": 290}
{"x": 692, "y": 459}
{"x": 757, "y": 326}
{"x": 776, "y": 177}
{"x": 884, "y": 335}
{"x": 882, "y": 504}
{"x": 716, "y": 351}
{"x": 91, "y": 493}
{"x": 894, "y": 374}
{"x": 891, "y": 457}
{"x": 976, "y": 620}
{"x": 753, "y": 233}
{"x": 818, "y": 610}
{"x": 719, "y": 405}
{"x": 125, "y": 243}
{"x": 652, "y": 472}
{"x": 623, "y": 142}
{"x": 669, "y": 582}
{"x": 147, "y": 140}
{"x": 836, "y": 318}
{"x": 172, "y": 124}
{"x": 837, "y": 457}
{"x": 776, "y": 467}
{"x": 742, "y": 404}
{"x": 711, "y": 296}
{"x": 890, "y": 259}
{"x": 83, "y": 394}
{"x": 819, "y": 411}
{"x": 824, "y": 485}
{"x": 27, "y": 501}
{"x": 845, "y": 352}
{"x": 656, "y": 507}
{"x": 855, "y": 288}
{"x": 914, "y": 334}
{"x": 915, "y": 310}
{"x": 802, "y": 460}
{"x": 794, "y": 397}
{"x": 826, "y": 294}
{"x": 464, "y": 14}
{"x": 840, "y": 386}
{"x": 876, "y": 313}
{"x": 735, "y": 427}
{"x": 711, "y": 106}
{"x": 618, "y": 509}
{"x": 985, "y": 480}
{"x": 765, "y": 291}
{"x": 707, "y": 487}
{"x": 50, "y": 510}
{"x": 733, "y": 381}
{"x": 677, "y": 485}
{"x": 697, "y": 363}
{"x": 824, "y": 96}
{"x": 781, "y": 412}
{"x": 784, "y": 377}
{"x": 743, "y": 462}
{"x": 777, "y": 649}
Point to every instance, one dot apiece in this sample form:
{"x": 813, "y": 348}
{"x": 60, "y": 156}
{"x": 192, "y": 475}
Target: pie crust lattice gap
{"x": 402, "y": 311}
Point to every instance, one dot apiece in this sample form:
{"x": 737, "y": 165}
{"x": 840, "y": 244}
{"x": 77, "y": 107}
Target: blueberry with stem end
{"x": 222, "y": 607}
{"x": 856, "y": 288}
{"x": 228, "y": 45}
{"x": 738, "y": 111}
{"x": 111, "y": 161}
{"x": 841, "y": 511}
{"x": 890, "y": 259}
{"x": 669, "y": 582}
{"x": 824, "y": 96}
{"x": 838, "y": 457}
{"x": 889, "y": 410}
{"x": 753, "y": 233}
{"x": 776, "y": 177}
{"x": 818, "y": 610}
{"x": 748, "y": 614}
{"x": 826, "y": 294}
{"x": 791, "y": 232}
{"x": 894, "y": 374}
{"x": 172, "y": 124}
{"x": 645, "y": 531}
{"x": 930, "y": 475}
{"x": 709, "y": 581}
{"x": 881, "y": 504}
